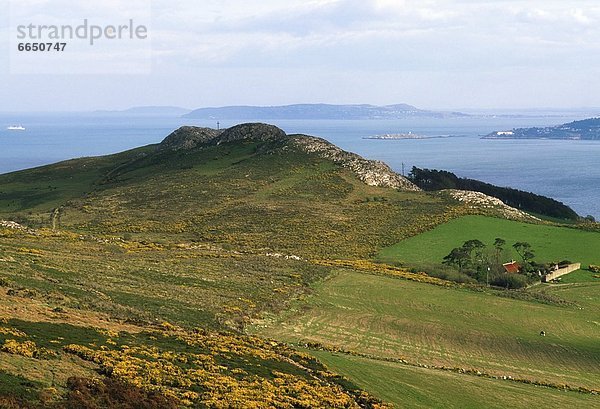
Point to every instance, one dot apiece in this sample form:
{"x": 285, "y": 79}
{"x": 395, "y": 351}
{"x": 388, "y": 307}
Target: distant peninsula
{"x": 319, "y": 111}
{"x": 586, "y": 129}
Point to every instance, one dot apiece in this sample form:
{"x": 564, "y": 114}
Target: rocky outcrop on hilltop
{"x": 188, "y": 137}
{"x": 373, "y": 173}
{"x": 255, "y": 132}
{"x": 477, "y": 200}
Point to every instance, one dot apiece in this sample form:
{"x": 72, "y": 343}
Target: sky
{"x": 453, "y": 54}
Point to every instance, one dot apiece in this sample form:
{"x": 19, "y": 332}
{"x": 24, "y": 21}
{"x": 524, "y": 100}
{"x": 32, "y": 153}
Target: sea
{"x": 568, "y": 171}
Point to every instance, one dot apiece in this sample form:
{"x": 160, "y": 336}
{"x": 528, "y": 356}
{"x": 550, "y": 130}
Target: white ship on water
{"x": 15, "y": 128}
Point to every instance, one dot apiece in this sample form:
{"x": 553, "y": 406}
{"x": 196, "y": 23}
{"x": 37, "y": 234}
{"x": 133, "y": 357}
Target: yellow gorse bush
{"x": 385, "y": 269}
{"x": 26, "y": 348}
{"x": 205, "y": 375}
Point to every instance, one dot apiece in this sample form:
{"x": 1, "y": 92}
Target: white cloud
{"x": 580, "y": 17}
{"x": 377, "y": 41}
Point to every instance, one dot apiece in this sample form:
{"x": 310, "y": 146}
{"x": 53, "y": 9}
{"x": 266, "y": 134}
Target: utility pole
{"x": 403, "y": 169}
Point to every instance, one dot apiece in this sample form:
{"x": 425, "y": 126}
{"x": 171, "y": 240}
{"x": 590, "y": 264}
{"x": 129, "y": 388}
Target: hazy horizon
{"x": 591, "y": 110}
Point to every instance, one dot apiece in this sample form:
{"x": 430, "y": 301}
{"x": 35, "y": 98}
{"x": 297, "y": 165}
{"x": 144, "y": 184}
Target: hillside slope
{"x": 146, "y": 268}
{"x": 202, "y": 233}
{"x": 251, "y": 186}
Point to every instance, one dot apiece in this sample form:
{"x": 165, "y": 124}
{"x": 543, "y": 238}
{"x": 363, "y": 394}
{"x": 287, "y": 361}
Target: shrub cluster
{"x": 26, "y": 348}
{"x": 85, "y": 393}
{"x": 215, "y": 371}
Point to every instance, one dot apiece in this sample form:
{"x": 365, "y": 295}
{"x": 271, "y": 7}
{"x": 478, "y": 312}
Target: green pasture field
{"x": 549, "y": 243}
{"x": 454, "y": 327}
{"x": 412, "y": 387}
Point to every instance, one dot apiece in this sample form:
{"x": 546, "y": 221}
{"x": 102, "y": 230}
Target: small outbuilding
{"x": 512, "y": 267}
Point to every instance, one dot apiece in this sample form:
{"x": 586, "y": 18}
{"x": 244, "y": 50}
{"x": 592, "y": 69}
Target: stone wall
{"x": 561, "y": 272}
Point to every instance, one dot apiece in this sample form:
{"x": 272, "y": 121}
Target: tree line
{"x": 431, "y": 179}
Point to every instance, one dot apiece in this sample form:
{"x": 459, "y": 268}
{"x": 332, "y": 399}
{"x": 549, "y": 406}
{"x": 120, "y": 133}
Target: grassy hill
{"x": 146, "y": 270}
{"x": 258, "y": 195}
{"x": 206, "y": 230}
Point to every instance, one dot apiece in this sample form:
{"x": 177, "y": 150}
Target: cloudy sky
{"x": 453, "y": 54}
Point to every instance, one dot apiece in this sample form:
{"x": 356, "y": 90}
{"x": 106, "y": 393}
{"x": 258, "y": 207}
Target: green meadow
{"x": 549, "y": 243}
{"x": 453, "y": 327}
{"x": 481, "y": 330}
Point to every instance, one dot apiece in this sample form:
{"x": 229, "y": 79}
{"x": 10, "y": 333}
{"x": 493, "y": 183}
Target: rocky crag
{"x": 373, "y": 173}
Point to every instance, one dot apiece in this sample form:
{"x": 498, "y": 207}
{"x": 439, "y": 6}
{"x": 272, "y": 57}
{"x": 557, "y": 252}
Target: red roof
{"x": 512, "y": 267}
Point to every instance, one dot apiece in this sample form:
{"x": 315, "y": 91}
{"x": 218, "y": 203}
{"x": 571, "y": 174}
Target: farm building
{"x": 512, "y": 267}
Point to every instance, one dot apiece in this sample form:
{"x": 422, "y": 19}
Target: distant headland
{"x": 320, "y": 111}
{"x": 586, "y": 129}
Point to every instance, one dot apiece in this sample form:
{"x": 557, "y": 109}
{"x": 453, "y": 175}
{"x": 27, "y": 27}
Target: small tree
{"x": 470, "y": 254}
{"x": 499, "y": 243}
{"x": 498, "y": 249}
{"x": 524, "y": 250}
{"x": 458, "y": 257}
{"x": 471, "y": 245}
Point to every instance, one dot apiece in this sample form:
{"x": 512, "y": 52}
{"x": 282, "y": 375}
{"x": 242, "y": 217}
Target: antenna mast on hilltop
{"x": 218, "y": 125}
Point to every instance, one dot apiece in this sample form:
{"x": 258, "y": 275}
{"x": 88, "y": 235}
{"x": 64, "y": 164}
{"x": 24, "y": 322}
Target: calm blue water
{"x": 565, "y": 170}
